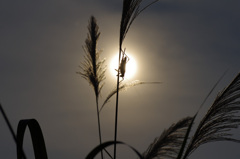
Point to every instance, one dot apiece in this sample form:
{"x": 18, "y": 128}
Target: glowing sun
{"x": 131, "y": 66}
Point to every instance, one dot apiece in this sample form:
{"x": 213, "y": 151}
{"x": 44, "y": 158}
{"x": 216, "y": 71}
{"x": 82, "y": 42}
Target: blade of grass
{"x": 39, "y": 147}
{"x": 11, "y": 129}
{"x": 8, "y": 123}
{"x": 104, "y": 145}
{"x": 124, "y": 87}
{"x": 210, "y": 92}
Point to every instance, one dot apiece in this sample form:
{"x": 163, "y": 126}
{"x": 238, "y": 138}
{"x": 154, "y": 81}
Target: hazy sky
{"x": 185, "y": 44}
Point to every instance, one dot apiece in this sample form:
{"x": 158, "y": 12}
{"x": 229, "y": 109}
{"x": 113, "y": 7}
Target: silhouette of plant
{"x": 93, "y": 69}
{"x": 175, "y": 142}
{"x": 131, "y": 9}
{"x": 216, "y": 125}
{"x": 221, "y": 118}
{"x": 170, "y": 142}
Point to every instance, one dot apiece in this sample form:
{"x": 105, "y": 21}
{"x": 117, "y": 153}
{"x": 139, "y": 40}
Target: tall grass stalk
{"x": 131, "y": 9}
{"x": 93, "y": 70}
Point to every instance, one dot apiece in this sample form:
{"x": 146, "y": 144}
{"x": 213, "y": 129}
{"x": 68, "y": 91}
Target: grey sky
{"x": 185, "y": 44}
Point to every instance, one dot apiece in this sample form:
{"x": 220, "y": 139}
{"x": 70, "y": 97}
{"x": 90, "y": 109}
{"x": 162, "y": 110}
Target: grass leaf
{"x": 104, "y": 145}
{"x": 39, "y": 147}
{"x": 123, "y": 87}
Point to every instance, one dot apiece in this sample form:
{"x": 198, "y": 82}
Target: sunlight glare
{"x": 131, "y": 66}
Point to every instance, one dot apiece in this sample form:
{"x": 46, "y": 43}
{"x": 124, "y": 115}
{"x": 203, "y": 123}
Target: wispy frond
{"x": 123, "y": 87}
{"x": 170, "y": 142}
{"x": 221, "y": 118}
{"x": 131, "y": 9}
{"x": 93, "y": 69}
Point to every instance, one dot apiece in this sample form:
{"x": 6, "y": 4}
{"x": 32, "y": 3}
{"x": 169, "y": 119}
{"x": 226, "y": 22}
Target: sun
{"x": 131, "y": 66}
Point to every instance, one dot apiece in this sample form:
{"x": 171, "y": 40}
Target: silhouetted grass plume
{"x": 221, "y": 118}
{"x": 93, "y": 69}
{"x": 130, "y": 10}
{"x": 169, "y": 143}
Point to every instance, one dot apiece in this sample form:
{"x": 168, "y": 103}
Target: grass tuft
{"x": 169, "y": 143}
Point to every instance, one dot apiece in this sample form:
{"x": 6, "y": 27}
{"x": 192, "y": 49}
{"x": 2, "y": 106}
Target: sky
{"x": 185, "y": 44}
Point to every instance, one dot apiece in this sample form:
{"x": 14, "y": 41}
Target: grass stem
{"x": 116, "y": 111}
{"x": 10, "y": 128}
{"x": 99, "y": 126}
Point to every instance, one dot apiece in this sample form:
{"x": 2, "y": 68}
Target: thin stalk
{"x": 130, "y": 11}
{"x": 8, "y": 123}
{"x": 116, "y": 112}
{"x": 11, "y": 129}
{"x": 99, "y": 126}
